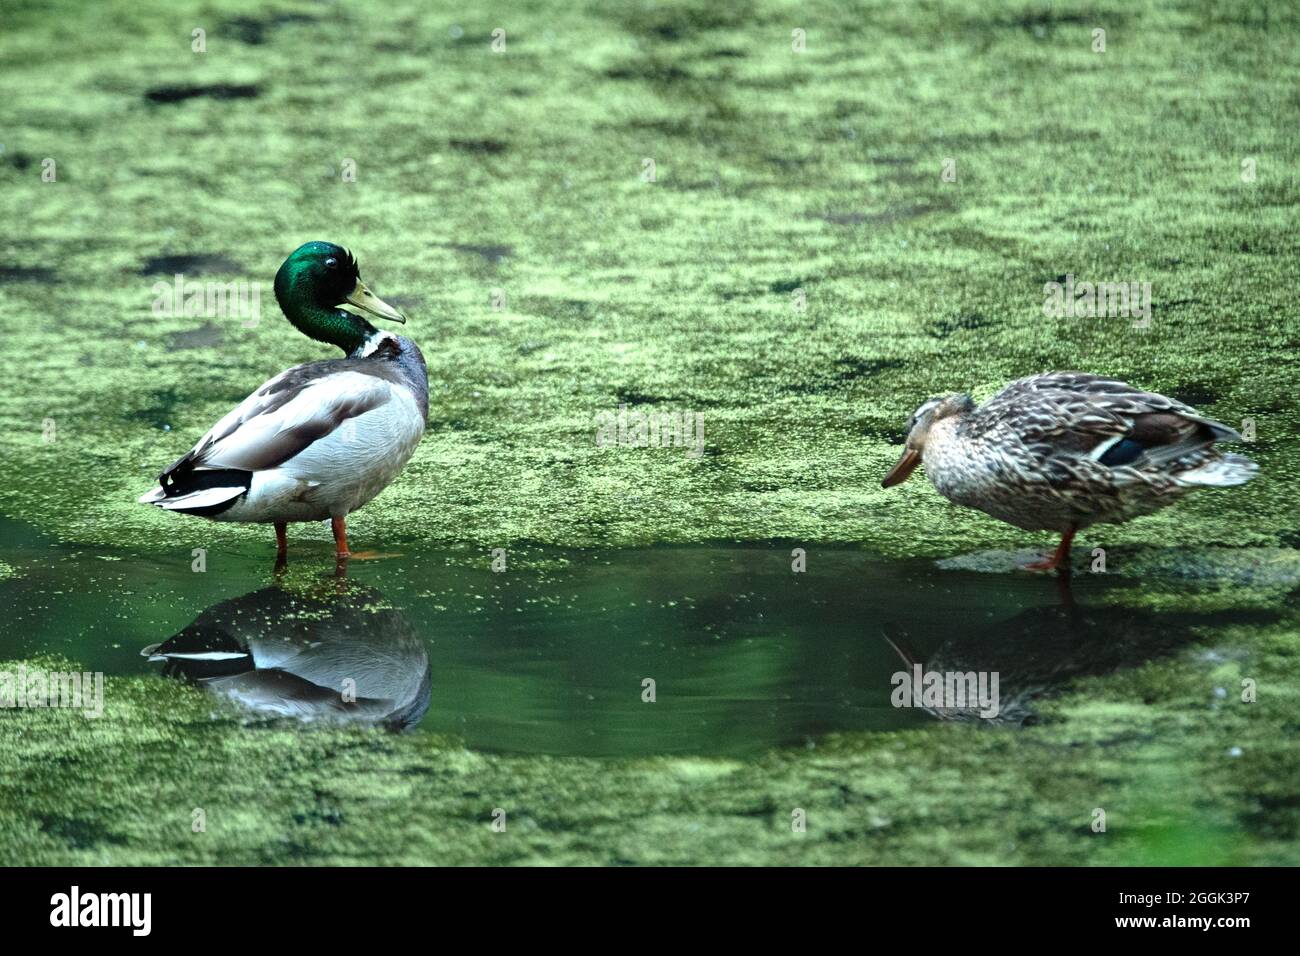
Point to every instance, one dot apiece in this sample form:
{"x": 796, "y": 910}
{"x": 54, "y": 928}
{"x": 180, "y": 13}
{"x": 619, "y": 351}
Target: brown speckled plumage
{"x": 1064, "y": 450}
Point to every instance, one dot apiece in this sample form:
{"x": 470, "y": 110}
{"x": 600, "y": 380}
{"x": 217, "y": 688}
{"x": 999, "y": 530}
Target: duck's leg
{"x": 340, "y": 526}
{"x": 341, "y": 551}
{"x": 281, "y": 541}
{"x": 1061, "y": 559}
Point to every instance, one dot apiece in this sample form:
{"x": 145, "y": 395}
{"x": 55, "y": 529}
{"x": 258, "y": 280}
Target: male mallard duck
{"x": 319, "y": 440}
{"x": 1064, "y": 450}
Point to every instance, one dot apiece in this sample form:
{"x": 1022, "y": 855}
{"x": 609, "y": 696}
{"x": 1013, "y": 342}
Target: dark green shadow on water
{"x": 555, "y": 654}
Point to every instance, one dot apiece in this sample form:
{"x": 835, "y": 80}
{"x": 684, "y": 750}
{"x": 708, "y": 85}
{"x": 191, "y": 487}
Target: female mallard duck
{"x": 319, "y": 440}
{"x": 1064, "y": 450}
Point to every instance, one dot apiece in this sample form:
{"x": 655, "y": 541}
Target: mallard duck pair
{"x": 1058, "y": 451}
{"x": 1064, "y": 450}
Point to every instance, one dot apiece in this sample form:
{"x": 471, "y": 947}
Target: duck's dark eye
{"x": 331, "y": 263}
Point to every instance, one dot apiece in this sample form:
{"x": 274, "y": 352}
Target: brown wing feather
{"x": 1075, "y": 412}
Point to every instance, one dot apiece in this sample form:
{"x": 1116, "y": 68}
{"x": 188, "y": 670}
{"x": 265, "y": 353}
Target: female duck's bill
{"x": 903, "y": 469}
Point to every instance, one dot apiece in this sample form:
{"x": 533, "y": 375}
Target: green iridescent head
{"x": 313, "y": 286}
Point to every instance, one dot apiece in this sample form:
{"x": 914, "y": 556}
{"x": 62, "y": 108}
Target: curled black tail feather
{"x": 177, "y": 481}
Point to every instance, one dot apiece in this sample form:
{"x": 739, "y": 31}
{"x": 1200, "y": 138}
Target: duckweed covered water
{"x": 780, "y": 178}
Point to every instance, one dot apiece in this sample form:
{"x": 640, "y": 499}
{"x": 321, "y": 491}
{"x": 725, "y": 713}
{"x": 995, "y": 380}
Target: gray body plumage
{"x": 317, "y": 441}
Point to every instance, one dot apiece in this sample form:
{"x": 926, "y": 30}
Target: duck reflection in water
{"x": 1040, "y": 650}
{"x": 336, "y": 652}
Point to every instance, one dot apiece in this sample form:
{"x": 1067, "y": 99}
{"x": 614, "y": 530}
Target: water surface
{"x": 552, "y": 654}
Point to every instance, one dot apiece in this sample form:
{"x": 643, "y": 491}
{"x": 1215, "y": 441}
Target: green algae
{"x": 775, "y": 172}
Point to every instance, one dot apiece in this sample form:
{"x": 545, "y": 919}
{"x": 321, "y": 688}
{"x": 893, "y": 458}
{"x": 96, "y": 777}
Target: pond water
{"x": 552, "y": 654}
